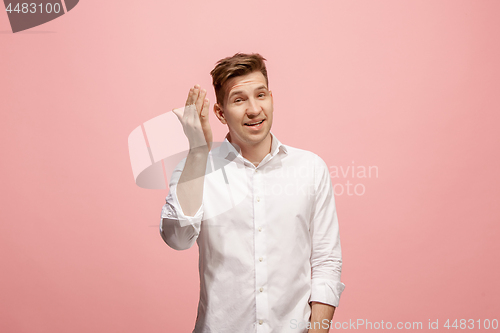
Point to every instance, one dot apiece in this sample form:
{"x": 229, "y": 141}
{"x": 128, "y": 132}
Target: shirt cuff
{"x": 172, "y": 210}
{"x": 326, "y": 291}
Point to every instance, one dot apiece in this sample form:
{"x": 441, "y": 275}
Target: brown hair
{"x": 237, "y": 65}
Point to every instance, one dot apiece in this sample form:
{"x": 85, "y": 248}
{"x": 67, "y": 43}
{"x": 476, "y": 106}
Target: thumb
{"x": 179, "y": 112}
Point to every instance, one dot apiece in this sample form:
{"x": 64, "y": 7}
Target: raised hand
{"x": 194, "y": 118}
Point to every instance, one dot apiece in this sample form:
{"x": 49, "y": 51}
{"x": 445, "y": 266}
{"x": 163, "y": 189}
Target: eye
{"x": 237, "y": 100}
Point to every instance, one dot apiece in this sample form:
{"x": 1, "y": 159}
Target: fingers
{"x": 200, "y": 101}
{"x": 197, "y": 96}
{"x": 205, "y": 110}
{"x": 193, "y": 95}
{"x": 189, "y": 98}
{"x": 194, "y": 114}
{"x": 196, "y": 93}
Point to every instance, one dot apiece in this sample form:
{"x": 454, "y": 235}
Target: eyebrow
{"x": 240, "y": 91}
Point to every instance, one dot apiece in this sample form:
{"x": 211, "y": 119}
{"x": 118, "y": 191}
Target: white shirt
{"x": 268, "y": 239}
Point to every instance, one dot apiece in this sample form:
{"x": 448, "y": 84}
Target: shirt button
{"x": 260, "y": 259}
{"x": 261, "y": 322}
{"x": 260, "y": 228}
{"x": 258, "y": 199}
{"x": 261, "y": 289}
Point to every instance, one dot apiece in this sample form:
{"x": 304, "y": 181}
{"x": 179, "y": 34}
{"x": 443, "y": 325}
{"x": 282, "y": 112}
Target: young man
{"x": 263, "y": 213}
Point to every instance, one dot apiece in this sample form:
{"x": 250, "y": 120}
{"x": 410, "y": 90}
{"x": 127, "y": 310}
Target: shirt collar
{"x": 228, "y": 150}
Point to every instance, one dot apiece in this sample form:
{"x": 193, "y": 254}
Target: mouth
{"x": 255, "y": 123}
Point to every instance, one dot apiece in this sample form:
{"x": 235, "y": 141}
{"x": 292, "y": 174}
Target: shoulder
{"x": 305, "y": 156}
{"x": 307, "y": 163}
{"x": 297, "y": 152}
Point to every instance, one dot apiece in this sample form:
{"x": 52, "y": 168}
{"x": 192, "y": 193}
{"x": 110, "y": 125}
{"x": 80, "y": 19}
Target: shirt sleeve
{"x": 176, "y": 229}
{"x": 326, "y": 255}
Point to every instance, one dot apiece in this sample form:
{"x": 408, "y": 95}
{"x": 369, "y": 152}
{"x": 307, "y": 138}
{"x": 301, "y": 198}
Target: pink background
{"x": 411, "y": 87}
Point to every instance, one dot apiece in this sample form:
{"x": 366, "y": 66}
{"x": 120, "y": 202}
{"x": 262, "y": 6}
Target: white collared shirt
{"x": 268, "y": 239}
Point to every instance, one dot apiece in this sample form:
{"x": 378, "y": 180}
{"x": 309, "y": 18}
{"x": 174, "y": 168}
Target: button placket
{"x": 261, "y": 273}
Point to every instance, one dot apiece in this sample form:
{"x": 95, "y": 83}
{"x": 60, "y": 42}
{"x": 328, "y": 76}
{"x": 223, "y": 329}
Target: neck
{"x": 254, "y": 153}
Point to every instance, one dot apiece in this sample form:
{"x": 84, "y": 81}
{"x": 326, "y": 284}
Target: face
{"x": 247, "y": 101}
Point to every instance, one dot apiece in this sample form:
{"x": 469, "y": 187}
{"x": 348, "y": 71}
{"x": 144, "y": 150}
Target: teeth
{"x": 255, "y": 123}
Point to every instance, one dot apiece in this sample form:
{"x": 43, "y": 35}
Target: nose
{"x": 254, "y": 108}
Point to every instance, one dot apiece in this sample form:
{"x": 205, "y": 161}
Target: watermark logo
{"x": 349, "y": 180}
{"x": 25, "y": 15}
{"x": 156, "y": 148}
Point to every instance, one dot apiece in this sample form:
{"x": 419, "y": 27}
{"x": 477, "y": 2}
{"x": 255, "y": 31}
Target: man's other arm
{"x": 321, "y": 317}
{"x": 326, "y": 256}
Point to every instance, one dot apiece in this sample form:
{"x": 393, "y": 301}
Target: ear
{"x": 219, "y": 113}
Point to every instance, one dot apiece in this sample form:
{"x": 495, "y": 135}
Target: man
{"x": 263, "y": 213}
